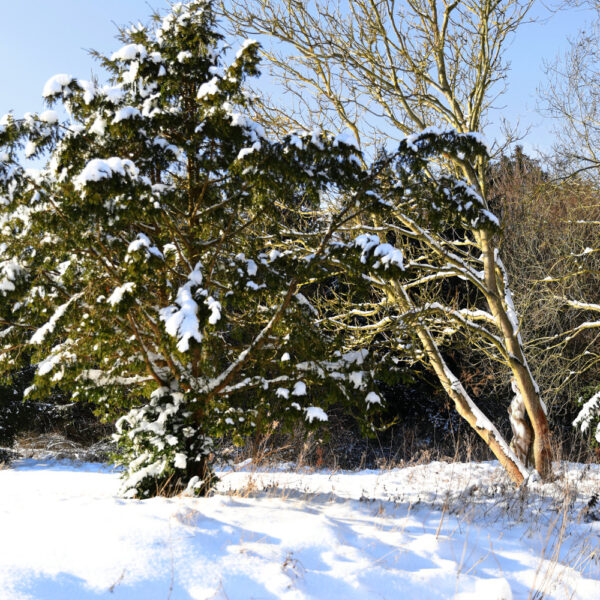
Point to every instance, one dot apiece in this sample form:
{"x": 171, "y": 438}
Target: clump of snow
{"x": 247, "y": 151}
{"x": 142, "y": 242}
{"x": 210, "y": 88}
{"x": 30, "y": 149}
{"x": 10, "y": 271}
{"x": 56, "y": 84}
{"x": 373, "y": 398}
{"x": 40, "y": 335}
{"x": 184, "y": 56}
{"x": 356, "y": 357}
{"x": 98, "y": 126}
{"x": 347, "y": 139}
{"x": 99, "y": 168}
{"x": 247, "y": 44}
{"x": 254, "y": 130}
{"x": 314, "y": 412}
{"x": 49, "y": 116}
{"x": 119, "y": 292}
{"x": 181, "y": 320}
{"x": 126, "y": 112}
{"x": 387, "y": 254}
{"x": 89, "y": 90}
{"x": 180, "y": 460}
{"x": 215, "y": 310}
{"x": 129, "y": 52}
{"x": 299, "y": 389}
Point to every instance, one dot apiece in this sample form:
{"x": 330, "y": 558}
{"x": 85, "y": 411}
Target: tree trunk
{"x": 500, "y": 302}
{"x": 462, "y": 401}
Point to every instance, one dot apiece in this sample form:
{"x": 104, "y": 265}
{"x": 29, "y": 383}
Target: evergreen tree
{"x": 155, "y": 266}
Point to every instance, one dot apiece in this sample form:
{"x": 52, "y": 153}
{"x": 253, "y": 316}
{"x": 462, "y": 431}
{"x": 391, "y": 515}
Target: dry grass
{"x": 57, "y": 447}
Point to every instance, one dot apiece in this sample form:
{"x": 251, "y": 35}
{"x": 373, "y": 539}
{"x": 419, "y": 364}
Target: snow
{"x": 247, "y": 43}
{"x": 49, "y": 116}
{"x": 56, "y": 84}
{"x": 387, "y": 254}
{"x": 210, "y": 88}
{"x": 478, "y": 137}
{"x": 373, "y": 398}
{"x": 299, "y": 389}
{"x": 89, "y": 90}
{"x": 98, "y": 126}
{"x": 119, "y": 292}
{"x": 180, "y": 460}
{"x": 184, "y": 56}
{"x": 314, "y": 412}
{"x": 40, "y": 335}
{"x": 126, "y": 112}
{"x": 9, "y": 272}
{"x": 345, "y": 138}
{"x": 143, "y": 242}
{"x": 254, "y": 130}
{"x": 436, "y": 531}
{"x": 181, "y": 320}
{"x": 99, "y": 168}
{"x": 246, "y": 151}
{"x": 251, "y": 267}
{"x": 129, "y": 52}
{"x": 215, "y": 310}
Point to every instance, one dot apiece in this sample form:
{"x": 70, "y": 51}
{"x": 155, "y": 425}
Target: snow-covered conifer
{"x": 156, "y": 264}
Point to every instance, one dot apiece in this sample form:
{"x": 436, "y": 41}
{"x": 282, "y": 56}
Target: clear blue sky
{"x": 39, "y": 38}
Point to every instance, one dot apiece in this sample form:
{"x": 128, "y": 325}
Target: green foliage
{"x": 165, "y": 246}
{"x": 162, "y": 449}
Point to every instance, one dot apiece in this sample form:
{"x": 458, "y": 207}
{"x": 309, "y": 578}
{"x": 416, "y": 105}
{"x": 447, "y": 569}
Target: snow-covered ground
{"x": 431, "y": 531}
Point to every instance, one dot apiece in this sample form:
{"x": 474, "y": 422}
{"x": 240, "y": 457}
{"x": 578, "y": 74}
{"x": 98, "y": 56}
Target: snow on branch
{"x": 589, "y": 412}
{"x": 181, "y": 321}
{"x": 40, "y": 335}
{"x": 99, "y": 168}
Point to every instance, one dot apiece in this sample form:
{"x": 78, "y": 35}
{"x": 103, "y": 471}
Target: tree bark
{"x": 498, "y": 300}
{"x": 463, "y": 403}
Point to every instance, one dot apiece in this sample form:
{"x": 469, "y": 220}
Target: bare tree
{"x": 385, "y": 70}
{"x": 572, "y": 97}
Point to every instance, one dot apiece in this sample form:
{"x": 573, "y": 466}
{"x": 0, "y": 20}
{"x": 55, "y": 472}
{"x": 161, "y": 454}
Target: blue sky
{"x": 39, "y": 38}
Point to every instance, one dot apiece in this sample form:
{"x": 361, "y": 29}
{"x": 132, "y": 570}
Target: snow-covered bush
{"x": 161, "y": 447}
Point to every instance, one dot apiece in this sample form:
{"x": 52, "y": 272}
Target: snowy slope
{"x": 426, "y": 532}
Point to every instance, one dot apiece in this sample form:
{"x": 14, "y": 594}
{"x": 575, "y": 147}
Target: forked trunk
{"x": 500, "y": 302}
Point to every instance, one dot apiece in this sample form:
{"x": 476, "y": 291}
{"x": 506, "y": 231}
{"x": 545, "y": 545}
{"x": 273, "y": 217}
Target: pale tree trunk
{"x": 500, "y": 302}
{"x": 463, "y": 403}
{"x": 499, "y": 299}
{"x": 520, "y": 425}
